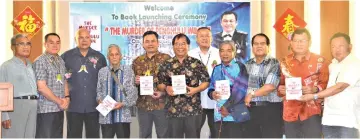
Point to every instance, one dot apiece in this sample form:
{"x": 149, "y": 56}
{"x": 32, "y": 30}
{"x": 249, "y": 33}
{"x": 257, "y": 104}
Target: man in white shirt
{"x": 341, "y": 108}
{"x": 210, "y": 57}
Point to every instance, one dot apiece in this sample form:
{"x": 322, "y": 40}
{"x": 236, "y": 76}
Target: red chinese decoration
{"x": 288, "y": 22}
{"x": 28, "y": 22}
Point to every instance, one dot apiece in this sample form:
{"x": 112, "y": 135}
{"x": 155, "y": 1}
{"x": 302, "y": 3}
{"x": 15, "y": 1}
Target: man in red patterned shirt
{"x": 302, "y": 119}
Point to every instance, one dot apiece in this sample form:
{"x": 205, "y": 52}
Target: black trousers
{"x": 309, "y": 128}
{"x": 229, "y": 130}
{"x": 209, "y": 113}
{"x": 75, "y": 124}
{"x": 188, "y": 126}
{"x": 50, "y": 125}
{"x": 122, "y": 130}
{"x": 265, "y": 122}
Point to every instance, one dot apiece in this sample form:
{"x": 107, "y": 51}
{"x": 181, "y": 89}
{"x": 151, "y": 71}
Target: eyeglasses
{"x": 180, "y": 44}
{"x": 300, "y": 41}
{"x": 23, "y": 44}
{"x": 261, "y": 43}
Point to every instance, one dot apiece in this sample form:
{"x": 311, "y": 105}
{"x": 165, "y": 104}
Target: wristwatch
{"x": 316, "y": 96}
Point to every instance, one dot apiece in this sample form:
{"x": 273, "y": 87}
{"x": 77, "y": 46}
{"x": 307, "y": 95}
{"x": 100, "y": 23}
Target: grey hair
{"x": 113, "y": 45}
{"x": 17, "y": 36}
{"x": 231, "y": 43}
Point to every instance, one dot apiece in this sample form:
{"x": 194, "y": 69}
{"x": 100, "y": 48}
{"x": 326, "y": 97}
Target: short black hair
{"x": 51, "y": 34}
{"x": 200, "y": 28}
{"x": 299, "y": 31}
{"x": 150, "y": 32}
{"x": 178, "y": 36}
{"x": 340, "y": 34}
{"x": 229, "y": 12}
{"x": 260, "y": 34}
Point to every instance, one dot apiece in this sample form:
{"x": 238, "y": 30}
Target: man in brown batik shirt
{"x": 150, "y": 108}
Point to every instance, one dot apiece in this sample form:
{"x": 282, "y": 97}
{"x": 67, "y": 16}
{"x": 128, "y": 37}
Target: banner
{"x": 123, "y": 23}
{"x": 91, "y": 23}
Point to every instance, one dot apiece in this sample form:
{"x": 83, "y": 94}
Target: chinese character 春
{"x": 289, "y": 26}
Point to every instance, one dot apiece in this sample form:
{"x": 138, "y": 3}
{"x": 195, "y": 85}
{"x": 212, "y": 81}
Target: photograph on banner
{"x": 124, "y": 23}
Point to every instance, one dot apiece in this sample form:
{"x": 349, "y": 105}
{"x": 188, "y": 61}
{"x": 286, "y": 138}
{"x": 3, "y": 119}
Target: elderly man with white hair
{"x": 116, "y": 81}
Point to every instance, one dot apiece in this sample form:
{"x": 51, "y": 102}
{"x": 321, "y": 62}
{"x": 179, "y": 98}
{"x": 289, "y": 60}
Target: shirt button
{"x": 84, "y": 86}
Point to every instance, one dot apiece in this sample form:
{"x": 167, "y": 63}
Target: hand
{"x": 6, "y": 124}
{"x": 307, "y": 90}
{"x": 170, "y": 90}
{"x": 118, "y": 105}
{"x": 224, "y": 112}
{"x": 63, "y": 104}
{"x": 306, "y": 97}
{"x": 281, "y": 89}
{"x": 215, "y": 95}
{"x": 191, "y": 91}
{"x": 157, "y": 95}
{"x": 99, "y": 101}
{"x": 137, "y": 80}
{"x": 248, "y": 99}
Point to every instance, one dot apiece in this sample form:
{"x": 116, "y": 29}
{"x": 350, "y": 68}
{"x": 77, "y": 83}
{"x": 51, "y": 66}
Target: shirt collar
{"x": 265, "y": 60}
{"x": 199, "y": 51}
{"x": 347, "y": 58}
{"x": 231, "y": 33}
{"x": 120, "y": 68}
{"x": 307, "y": 57}
{"x": 77, "y": 51}
{"x": 19, "y": 61}
{"x": 147, "y": 58}
{"x": 186, "y": 57}
{"x": 47, "y": 55}
{"x": 232, "y": 62}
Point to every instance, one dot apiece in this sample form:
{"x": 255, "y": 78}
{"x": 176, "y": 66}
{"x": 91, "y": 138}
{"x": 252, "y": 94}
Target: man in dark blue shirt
{"x": 83, "y": 64}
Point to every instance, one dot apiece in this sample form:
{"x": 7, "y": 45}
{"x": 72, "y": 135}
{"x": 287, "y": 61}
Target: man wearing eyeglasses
{"x": 21, "y": 123}
{"x": 302, "y": 119}
{"x": 183, "y": 110}
{"x": 228, "y": 23}
{"x": 264, "y": 105}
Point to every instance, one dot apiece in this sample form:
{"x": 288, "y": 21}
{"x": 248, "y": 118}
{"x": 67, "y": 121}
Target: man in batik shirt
{"x": 150, "y": 108}
{"x": 184, "y": 111}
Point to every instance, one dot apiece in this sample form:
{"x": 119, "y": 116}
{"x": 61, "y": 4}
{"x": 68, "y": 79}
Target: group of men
{"x": 257, "y": 107}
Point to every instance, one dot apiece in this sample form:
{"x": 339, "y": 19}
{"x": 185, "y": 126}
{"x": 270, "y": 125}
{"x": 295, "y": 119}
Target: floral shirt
{"x": 141, "y": 65}
{"x": 195, "y": 72}
{"x": 314, "y": 71}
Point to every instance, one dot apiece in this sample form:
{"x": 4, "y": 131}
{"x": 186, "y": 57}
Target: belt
{"x": 259, "y": 103}
{"x": 27, "y": 97}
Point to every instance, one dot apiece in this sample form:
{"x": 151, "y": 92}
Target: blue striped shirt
{"x": 267, "y": 72}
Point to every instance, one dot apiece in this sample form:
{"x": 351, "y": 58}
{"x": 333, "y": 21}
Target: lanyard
{"x": 207, "y": 62}
{"x": 55, "y": 62}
